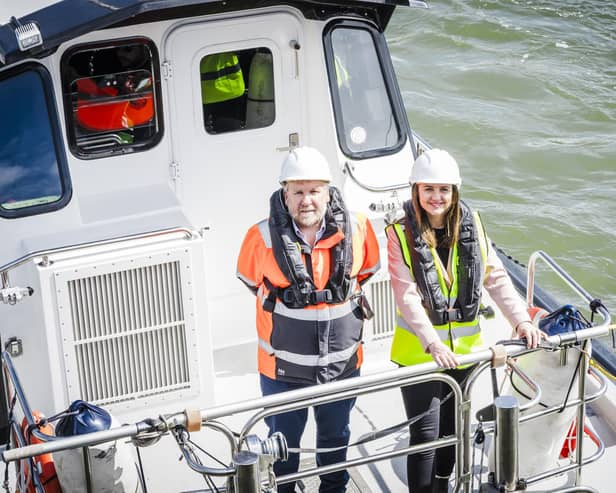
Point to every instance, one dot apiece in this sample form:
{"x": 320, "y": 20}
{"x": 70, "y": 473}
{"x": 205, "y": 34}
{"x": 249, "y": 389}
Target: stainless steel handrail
{"x": 572, "y": 283}
{"x": 294, "y": 404}
{"x": 309, "y": 396}
{"x": 370, "y": 188}
{"x": 573, "y": 337}
{"x": 4, "y": 269}
{"x": 179, "y": 419}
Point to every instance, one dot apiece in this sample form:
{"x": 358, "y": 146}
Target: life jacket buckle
{"x": 453, "y": 315}
{"x": 323, "y": 296}
{"x": 288, "y": 296}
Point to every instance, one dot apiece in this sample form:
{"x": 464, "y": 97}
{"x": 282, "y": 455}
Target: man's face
{"x": 307, "y": 201}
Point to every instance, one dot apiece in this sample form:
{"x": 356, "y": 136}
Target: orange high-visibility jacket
{"x": 321, "y": 342}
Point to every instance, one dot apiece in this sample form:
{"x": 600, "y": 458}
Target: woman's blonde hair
{"x": 452, "y": 219}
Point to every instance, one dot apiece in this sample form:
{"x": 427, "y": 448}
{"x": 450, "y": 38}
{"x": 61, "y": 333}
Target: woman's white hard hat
{"x": 435, "y": 166}
{"x": 304, "y": 163}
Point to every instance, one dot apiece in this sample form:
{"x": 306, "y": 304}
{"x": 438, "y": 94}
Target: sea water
{"x": 523, "y": 95}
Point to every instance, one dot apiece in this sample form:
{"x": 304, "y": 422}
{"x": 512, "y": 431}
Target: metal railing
{"x": 143, "y": 431}
{"x": 44, "y": 254}
{"x": 569, "y": 281}
{"x": 267, "y": 406}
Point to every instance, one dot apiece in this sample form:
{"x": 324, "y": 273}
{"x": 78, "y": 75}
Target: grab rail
{"x": 4, "y": 269}
{"x": 274, "y": 404}
{"x": 572, "y": 283}
{"x": 370, "y": 188}
{"x": 309, "y": 396}
{"x": 573, "y": 337}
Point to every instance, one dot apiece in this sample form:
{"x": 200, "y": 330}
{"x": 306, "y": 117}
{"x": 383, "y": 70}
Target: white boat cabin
{"x": 127, "y": 182}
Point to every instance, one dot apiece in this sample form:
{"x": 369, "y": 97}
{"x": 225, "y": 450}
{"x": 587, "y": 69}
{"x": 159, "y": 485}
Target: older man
{"x": 306, "y": 265}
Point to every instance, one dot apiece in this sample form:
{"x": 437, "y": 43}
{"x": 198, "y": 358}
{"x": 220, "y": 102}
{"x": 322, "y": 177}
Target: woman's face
{"x": 435, "y": 199}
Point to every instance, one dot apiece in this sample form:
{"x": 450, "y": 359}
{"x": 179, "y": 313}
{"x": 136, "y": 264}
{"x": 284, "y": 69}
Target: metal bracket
{"x": 14, "y": 346}
{"x": 11, "y": 296}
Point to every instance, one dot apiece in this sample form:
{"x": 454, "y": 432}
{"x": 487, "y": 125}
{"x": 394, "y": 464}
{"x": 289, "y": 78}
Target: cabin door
{"x": 235, "y": 108}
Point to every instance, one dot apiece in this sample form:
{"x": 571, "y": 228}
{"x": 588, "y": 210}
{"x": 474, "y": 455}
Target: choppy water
{"x": 523, "y": 94}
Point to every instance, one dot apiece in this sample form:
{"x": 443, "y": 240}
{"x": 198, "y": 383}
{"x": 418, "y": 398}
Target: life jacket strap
{"x": 322, "y": 296}
{"x": 289, "y": 298}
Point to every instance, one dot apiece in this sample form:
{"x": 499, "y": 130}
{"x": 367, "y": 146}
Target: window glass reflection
{"x": 29, "y": 169}
{"x": 367, "y": 115}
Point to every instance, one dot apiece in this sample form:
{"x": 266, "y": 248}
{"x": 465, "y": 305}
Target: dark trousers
{"x": 332, "y": 420}
{"x": 421, "y": 468}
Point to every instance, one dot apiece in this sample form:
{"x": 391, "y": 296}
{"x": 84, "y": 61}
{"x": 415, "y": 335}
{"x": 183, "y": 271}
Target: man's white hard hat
{"x": 304, "y": 163}
{"x": 435, "y": 166}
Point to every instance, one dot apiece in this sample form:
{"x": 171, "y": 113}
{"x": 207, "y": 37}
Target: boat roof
{"x": 64, "y": 20}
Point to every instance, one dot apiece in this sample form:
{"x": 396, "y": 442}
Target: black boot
{"x": 440, "y": 485}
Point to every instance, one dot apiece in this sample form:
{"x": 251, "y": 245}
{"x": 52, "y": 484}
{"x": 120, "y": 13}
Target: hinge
{"x": 167, "y": 70}
{"x": 174, "y": 171}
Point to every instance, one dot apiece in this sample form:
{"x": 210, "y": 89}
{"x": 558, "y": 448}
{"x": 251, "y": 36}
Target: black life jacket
{"x": 302, "y": 291}
{"x": 470, "y": 270}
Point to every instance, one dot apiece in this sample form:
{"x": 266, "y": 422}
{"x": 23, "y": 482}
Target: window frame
{"x": 68, "y": 110}
{"x": 57, "y": 142}
{"x": 389, "y": 78}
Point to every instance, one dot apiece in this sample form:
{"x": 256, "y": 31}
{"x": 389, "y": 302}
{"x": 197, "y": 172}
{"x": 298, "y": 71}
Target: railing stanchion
{"x": 506, "y": 442}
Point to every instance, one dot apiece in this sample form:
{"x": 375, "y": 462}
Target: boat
{"x": 124, "y": 196}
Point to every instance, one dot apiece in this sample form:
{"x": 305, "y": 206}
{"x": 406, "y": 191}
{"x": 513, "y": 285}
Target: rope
{"x": 183, "y": 439}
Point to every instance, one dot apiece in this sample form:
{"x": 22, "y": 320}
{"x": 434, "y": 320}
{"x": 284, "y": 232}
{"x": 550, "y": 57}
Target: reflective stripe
{"x": 483, "y": 242}
{"x": 406, "y": 255}
{"x": 265, "y": 233}
{"x": 457, "y": 331}
{"x": 220, "y": 73}
{"x": 245, "y": 280}
{"x": 310, "y": 359}
{"x": 328, "y": 312}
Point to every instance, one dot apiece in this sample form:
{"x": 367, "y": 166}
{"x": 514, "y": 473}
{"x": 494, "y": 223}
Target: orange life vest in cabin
{"x": 95, "y": 112}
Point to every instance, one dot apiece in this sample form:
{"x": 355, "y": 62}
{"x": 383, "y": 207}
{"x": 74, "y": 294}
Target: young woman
{"x": 439, "y": 261}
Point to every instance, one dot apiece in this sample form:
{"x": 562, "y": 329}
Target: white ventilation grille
{"x": 129, "y": 333}
{"x": 384, "y": 307}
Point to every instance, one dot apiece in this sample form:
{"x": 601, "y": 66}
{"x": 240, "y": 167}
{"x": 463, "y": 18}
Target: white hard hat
{"x": 304, "y": 163}
{"x": 435, "y": 166}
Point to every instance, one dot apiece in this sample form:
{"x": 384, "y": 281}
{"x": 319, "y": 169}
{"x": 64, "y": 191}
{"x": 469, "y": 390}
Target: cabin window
{"x": 112, "y": 98}
{"x": 33, "y": 169}
{"x": 237, "y": 90}
{"x": 366, "y": 119}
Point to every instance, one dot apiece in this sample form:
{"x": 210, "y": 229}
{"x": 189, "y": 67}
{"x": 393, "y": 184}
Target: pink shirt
{"x": 496, "y": 282}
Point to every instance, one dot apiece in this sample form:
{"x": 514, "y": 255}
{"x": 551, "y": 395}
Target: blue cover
{"x": 566, "y": 319}
{"x": 83, "y": 417}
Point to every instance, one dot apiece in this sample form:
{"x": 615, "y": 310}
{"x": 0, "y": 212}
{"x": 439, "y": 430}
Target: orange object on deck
{"x": 571, "y": 439}
{"x": 536, "y": 313}
{"x": 44, "y": 462}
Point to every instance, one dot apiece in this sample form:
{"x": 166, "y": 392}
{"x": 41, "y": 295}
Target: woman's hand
{"x": 533, "y": 335}
{"x": 442, "y": 355}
